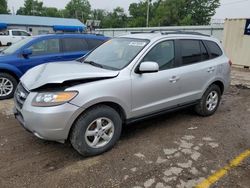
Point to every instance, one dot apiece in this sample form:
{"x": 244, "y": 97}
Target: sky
{"x": 228, "y": 9}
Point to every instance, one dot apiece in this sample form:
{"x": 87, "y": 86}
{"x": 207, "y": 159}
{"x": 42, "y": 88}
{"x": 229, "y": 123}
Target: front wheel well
{"x": 113, "y": 105}
{"x": 10, "y": 73}
{"x": 220, "y": 84}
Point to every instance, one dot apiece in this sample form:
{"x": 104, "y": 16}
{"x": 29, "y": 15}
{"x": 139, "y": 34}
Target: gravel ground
{"x": 175, "y": 150}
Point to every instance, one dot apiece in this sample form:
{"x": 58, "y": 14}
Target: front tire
{"x": 96, "y": 131}
{"x": 209, "y": 101}
{"x": 8, "y": 85}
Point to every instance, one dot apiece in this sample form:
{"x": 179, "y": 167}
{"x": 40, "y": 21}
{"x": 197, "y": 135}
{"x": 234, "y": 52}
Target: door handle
{"x": 211, "y": 69}
{"x": 174, "y": 79}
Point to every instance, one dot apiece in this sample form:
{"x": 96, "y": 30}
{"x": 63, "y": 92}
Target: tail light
{"x": 230, "y": 63}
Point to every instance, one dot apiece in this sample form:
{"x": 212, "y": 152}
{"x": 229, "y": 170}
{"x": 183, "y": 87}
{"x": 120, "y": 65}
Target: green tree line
{"x": 162, "y": 12}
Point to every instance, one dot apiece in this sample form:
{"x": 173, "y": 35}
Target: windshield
{"x": 116, "y": 53}
{"x": 14, "y": 47}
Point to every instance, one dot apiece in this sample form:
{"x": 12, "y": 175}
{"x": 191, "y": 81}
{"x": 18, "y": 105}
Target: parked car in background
{"x": 127, "y": 79}
{"x": 12, "y": 36}
{"x": 30, "y": 52}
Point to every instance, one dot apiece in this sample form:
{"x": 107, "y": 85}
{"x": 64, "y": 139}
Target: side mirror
{"x": 27, "y": 52}
{"x": 148, "y": 67}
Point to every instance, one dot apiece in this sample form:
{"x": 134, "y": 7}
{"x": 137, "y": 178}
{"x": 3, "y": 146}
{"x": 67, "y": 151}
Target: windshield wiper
{"x": 93, "y": 63}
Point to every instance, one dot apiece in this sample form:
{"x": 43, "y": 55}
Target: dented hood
{"x": 56, "y": 73}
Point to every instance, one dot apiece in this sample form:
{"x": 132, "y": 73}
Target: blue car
{"x": 30, "y": 52}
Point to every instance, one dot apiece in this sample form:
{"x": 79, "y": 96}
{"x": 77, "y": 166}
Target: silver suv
{"x": 126, "y": 79}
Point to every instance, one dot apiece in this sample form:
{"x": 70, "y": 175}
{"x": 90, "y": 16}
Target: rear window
{"x": 93, "y": 43}
{"x": 214, "y": 49}
{"x": 74, "y": 45}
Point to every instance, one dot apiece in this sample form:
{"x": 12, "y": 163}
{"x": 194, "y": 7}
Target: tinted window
{"x": 204, "y": 53}
{"x": 163, "y": 54}
{"x": 214, "y": 49}
{"x": 93, "y": 43}
{"x": 74, "y": 45}
{"x": 45, "y": 47}
{"x": 190, "y": 51}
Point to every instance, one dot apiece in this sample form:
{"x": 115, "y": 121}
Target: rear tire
{"x": 96, "y": 131}
{"x": 8, "y": 86}
{"x": 209, "y": 101}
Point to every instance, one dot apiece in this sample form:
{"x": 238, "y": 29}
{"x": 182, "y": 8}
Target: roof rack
{"x": 138, "y": 32}
{"x": 171, "y": 32}
{"x": 183, "y": 32}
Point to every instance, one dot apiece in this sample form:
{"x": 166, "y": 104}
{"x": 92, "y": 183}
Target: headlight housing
{"x": 46, "y": 99}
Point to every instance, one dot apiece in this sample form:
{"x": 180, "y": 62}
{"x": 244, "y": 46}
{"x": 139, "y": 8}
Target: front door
{"x": 44, "y": 51}
{"x": 153, "y": 92}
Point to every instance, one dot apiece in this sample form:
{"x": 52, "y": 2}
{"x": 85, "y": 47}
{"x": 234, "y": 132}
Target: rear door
{"x": 74, "y": 48}
{"x": 196, "y": 69}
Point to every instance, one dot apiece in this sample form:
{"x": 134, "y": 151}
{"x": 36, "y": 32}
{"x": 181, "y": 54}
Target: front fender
{"x": 11, "y": 69}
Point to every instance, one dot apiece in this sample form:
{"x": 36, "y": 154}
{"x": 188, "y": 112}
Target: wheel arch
{"x": 220, "y": 84}
{"x": 111, "y": 104}
{"x": 12, "y": 73}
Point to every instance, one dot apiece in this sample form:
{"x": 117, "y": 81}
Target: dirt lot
{"x": 176, "y": 150}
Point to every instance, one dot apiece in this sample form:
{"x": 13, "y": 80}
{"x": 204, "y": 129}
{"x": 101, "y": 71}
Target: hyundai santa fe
{"x": 124, "y": 80}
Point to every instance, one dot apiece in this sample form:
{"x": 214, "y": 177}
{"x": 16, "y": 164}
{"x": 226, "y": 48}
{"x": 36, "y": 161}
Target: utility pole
{"x": 147, "y": 24}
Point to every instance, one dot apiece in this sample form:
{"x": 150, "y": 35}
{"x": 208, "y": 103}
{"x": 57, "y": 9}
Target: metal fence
{"x": 213, "y": 30}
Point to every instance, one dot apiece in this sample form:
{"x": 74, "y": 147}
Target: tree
{"x": 51, "y": 12}
{"x": 201, "y": 11}
{"x": 173, "y": 12}
{"x": 31, "y": 7}
{"x": 138, "y": 13}
{"x": 3, "y": 7}
{"x": 115, "y": 19}
{"x": 79, "y": 9}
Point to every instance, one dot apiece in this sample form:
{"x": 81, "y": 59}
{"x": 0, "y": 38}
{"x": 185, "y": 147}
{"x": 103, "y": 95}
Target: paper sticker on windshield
{"x": 137, "y": 43}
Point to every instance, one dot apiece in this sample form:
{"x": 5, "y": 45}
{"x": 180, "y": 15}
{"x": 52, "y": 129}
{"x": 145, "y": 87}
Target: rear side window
{"x": 193, "y": 51}
{"x": 74, "y": 45}
{"x": 214, "y": 49}
{"x": 93, "y": 43}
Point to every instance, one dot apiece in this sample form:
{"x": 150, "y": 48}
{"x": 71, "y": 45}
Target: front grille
{"x": 21, "y": 95}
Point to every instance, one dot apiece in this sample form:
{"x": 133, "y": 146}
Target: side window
{"x": 162, "y": 53}
{"x": 204, "y": 53}
{"x": 93, "y": 43}
{"x": 214, "y": 49}
{"x": 74, "y": 45}
{"x": 190, "y": 51}
{"x": 16, "y": 33}
{"x": 45, "y": 47}
{"x": 24, "y": 33}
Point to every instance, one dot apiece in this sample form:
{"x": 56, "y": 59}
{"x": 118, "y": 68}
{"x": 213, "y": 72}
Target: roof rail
{"x": 138, "y": 32}
{"x": 183, "y": 32}
{"x": 170, "y": 32}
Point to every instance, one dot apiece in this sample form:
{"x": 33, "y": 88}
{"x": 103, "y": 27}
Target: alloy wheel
{"x": 99, "y": 132}
{"x": 6, "y": 87}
